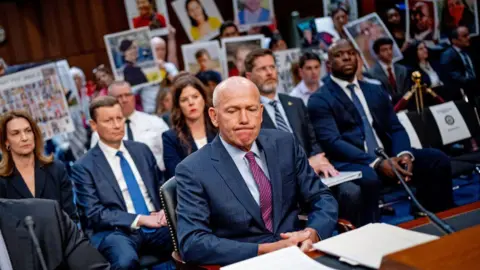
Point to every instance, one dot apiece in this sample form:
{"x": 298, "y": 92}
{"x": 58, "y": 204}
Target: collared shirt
{"x": 358, "y": 91}
{"x": 147, "y": 129}
{"x": 114, "y": 162}
{"x": 271, "y": 110}
{"x": 5, "y": 262}
{"x": 303, "y": 92}
{"x": 238, "y": 157}
{"x": 252, "y": 17}
{"x": 432, "y": 74}
{"x": 385, "y": 68}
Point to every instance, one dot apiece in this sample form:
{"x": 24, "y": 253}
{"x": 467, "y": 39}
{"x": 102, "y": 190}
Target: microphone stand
{"x": 442, "y": 225}
{"x": 30, "y": 224}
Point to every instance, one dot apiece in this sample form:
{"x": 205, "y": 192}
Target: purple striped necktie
{"x": 264, "y": 188}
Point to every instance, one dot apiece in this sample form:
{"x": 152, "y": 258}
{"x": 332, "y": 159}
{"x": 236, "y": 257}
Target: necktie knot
{"x": 351, "y": 87}
{"x": 250, "y": 156}
{"x": 273, "y": 103}
{"x": 119, "y": 154}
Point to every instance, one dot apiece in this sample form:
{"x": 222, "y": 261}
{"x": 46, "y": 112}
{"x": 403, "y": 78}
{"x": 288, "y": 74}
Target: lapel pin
{"x": 290, "y": 103}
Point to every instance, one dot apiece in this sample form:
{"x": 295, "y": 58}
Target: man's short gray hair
{"x": 118, "y": 83}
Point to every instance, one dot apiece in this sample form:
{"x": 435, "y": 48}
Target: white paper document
{"x": 283, "y": 259}
{"x": 450, "y": 122}
{"x": 341, "y": 178}
{"x": 370, "y": 243}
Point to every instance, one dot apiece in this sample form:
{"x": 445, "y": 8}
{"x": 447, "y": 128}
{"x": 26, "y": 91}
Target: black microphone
{"x": 29, "y": 223}
{"x": 442, "y": 225}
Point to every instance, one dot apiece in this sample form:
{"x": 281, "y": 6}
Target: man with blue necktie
{"x": 352, "y": 118}
{"x": 117, "y": 184}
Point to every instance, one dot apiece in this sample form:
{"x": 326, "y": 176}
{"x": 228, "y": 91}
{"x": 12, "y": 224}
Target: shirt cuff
{"x": 372, "y": 165}
{"x": 134, "y": 223}
{"x": 406, "y": 152}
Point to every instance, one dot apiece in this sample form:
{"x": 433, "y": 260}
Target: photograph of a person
{"x": 236, "y": 50}
{"x": 422, "y": 20}
{"x": 313, "y": 39}
{"x": 200, "y": 19}
{"x": 455, "y": 13}
{"x": 393, "y": 13}
{"x": 364, "y": 32}
{"x": 131, "y": 57}
{"x": 150, "y": 13}
{"x": 202, "y": 57}
{"x": 253, "y": 12}
{"x": 351, "y": 6}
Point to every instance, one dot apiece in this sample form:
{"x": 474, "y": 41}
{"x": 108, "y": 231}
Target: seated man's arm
{"x": 323, "y": 206}
{"x": 451, "y": 71}
{"x": 98, "y": 215}
{"x": 197, "y": 242}
{"x": 325, "y": 127}
{"x": 79, "y": 254}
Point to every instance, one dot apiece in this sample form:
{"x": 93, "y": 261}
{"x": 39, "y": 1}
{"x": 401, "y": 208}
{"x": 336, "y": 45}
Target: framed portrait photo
{"x": 236, "y": 49}
{"x": 148, "y": 13}
{"x": 250, "y": 13}
{"x": 204, "y": 56}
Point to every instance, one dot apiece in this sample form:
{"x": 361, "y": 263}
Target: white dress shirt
{"x": 432, "y": 74}
{"x": 303, "y": 92}
{"x": 385, "y": 69}
{"x": 243, "y": 166}
{"x": 146, "y": 129}
{"x": 114, "y": 162}
{"x": 271, "y": 110}
{"x": 358, "y": 91}
{"x": 5, "y": 262}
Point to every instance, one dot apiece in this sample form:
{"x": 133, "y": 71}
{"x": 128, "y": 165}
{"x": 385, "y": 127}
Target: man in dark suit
{"x": 289, "y": 114}
{"x": 117, "y": 185}
{"x": 352, "y": 118}
{"x": 394, "y": 77}
{"x": 62, "y": 243}
{"x": 238, "y": 196}
{"x": 458, "y": 68}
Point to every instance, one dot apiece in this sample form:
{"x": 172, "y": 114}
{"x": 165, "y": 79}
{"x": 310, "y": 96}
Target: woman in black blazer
{"x": 24, "y": 171}
{"x": 191, "y": 125}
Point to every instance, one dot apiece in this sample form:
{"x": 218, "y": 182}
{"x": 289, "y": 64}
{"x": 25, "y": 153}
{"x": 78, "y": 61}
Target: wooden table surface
{"x": 407, "y": 225}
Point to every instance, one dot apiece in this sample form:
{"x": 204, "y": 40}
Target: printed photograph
{"x": 363, "y": 33}
{"x": 454, "y": 13}
{"x": 204, "y": 57}
{"x": 422, "y": 20}
{"x": 150, "y": 13}
{"x": 131, "y": 57}
{"x": 351, "y": 5}
{"x": 236, "y": 50}
{"x": 253, "y": 12}
{"x": 200, "y": 19}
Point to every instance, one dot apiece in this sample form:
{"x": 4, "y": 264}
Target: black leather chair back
{"x": 168, "y": 195}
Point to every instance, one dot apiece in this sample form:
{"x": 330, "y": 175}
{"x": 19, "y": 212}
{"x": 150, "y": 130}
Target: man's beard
{"x": 269, "y": 87}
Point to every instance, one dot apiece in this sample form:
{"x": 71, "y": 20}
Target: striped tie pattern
{"x": 281, "y": 124}
{"x": 265, "y": 190}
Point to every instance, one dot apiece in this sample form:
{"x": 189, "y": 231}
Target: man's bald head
{"x": 234, "y": 84}
{"x": 342, "y": 59}
{"x": 160, "y": 47}
{"x": 237, "y": 112}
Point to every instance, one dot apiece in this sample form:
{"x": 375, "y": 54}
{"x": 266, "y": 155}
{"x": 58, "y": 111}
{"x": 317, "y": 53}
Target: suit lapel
{"x": 227, "y": 169}
{"x": 40, "y": 179}
{"x": 292, "y": 115}
{"x": 370, "y": 97}
{"x": 17, "y": 240}
{"x": 345, "y": 101}
{"x": 144, "y": 171}
{"x": 103, "y": 166}
{"x": 20, "y": 186}
{"x": 267, "y": 121}
{"x": 275, "y": 178}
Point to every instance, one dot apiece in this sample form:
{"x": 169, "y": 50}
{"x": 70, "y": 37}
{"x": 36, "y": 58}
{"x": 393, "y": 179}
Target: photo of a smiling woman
{"x": 131, "y": 72}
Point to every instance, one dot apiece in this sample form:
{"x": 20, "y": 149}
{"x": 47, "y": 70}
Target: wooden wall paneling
{"x": 17, "y": 41}
{"x": 98, "y": 17}
{"x": 31, "y": 14}
{"x": 51, "y": 28}
{"x": 84, "y": 25}
{"x": 86, "y": 62}
{"x": 5, "y": 50}
{"x": 116, "y": 16}
{"x": 66, "y": 22}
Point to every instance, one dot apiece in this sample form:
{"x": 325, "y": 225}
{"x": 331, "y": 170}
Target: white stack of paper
{"x": 368, "y": 244}
{"x": 283, "y": 259}
{"x": 341, "y": 178}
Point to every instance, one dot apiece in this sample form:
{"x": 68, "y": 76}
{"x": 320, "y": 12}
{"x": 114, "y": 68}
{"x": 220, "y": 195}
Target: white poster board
{"x": 450, "y": 122}
{"x": 284, "y": 60}
{"x": 38, "y": 91}
{"x": 412, "y": 134}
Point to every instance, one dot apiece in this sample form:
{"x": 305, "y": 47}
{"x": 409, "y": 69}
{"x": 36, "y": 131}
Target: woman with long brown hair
{"x": 191, "y": 125}
{"x": 25, "y": 172}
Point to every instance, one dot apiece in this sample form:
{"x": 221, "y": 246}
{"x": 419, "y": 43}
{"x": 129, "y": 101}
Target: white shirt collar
{"x": 385, "y": 66}
{"x": 457, "y": 48}
{"x": 134, "y": 116}
{"x": 236, "y": 153}
{"x": 304, "y": 90}
{"x": 109, "y": 151}
{"x": 265, "y": 100}
{"x": 343, "y": 84}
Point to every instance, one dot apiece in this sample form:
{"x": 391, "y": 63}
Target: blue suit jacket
{"x": 174, "y": 151}
{"x": 219, "y": 221}
{"x": 98, "y": 193}
{"x": 264, "y": 16}
{"x": 339, "y": 127}
{"x": 453, "y": 71}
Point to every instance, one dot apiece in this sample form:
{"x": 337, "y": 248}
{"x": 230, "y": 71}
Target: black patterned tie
{"x": 281, "y": 124}
{"x": 129, "y": 130}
